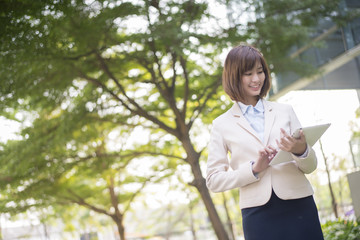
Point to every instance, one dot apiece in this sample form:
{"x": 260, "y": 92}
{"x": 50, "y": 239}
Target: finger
{"x": 282, "y": 147}
{"x": 271, "y": 158}
{"x": 268, "y": 156}
{"x": 286, "y": 142}
{"x": 302, "y": 136}
{"x": 284, "y": 133}
{"x": 289, "y": 138}
{"x": 286, "y": 136}
{"x": 297, "y": 137}
{"x": 262, "y": 153}
{"x": 274, "y": 153}
{"x": 269, "y": 150}
{"x": 272, "y": 148}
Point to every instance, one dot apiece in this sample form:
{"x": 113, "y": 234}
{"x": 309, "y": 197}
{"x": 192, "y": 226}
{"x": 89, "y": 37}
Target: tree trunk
{"x": 192, "y": 223}
{"x": 1, "y": 237}
{"x": 45, "y": 231}
{"x": 200, "y": 184}
{"x": 229, "y": 221}
{"x": 168, "y": 220}
{"x": 333, "y": 200}
{"x": 118, "y": 217}
{"x": 121, "y": 228}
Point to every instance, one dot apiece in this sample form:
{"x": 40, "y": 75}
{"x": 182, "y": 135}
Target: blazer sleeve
{"x": 219, "y": 175}
{"x": 308, "y": 163}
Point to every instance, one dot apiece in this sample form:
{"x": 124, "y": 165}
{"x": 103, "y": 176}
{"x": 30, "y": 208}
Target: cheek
{"x": 263, "y": 78}
{"x": 244, "y": 80}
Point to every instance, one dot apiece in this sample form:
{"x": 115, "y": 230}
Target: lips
{"x": 257, "y": 87}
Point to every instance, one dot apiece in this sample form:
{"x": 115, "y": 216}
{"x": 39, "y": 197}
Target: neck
{"x": 252, "y": 101}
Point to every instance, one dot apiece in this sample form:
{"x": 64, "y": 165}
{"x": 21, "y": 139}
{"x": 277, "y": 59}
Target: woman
{"x": 276, "y": 200}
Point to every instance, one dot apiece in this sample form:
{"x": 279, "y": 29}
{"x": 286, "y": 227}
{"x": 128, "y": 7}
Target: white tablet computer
{"x": 312, "y": 135}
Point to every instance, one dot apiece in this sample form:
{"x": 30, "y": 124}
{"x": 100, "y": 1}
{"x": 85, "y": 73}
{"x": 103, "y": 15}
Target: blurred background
{"x": 106, "y": 107}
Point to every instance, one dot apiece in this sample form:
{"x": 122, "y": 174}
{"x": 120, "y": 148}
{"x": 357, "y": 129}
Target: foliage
{"x": 341, "y": 230}
{"x": 355, "y": 126}
{"x": 280, "y": 27}
{"x": 84, "y": 76}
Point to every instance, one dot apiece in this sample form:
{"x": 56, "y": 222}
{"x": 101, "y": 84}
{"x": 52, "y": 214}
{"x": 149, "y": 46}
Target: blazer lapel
{"x": 269, "y": 115}
{"x": 241, "y": 120}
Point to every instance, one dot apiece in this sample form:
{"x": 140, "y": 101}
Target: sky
{"x": 8, "y": 129}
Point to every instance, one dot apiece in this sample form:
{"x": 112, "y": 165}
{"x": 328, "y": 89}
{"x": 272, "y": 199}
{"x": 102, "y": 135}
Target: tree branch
{"x": 139, "y": 110}
{"x": 174, "y": 57}
{"x": 200, "y": 108}
{"x": 186, "y": 90}
{"x": 128, "y": 156}
{"x": 114, "y": 199}
{"x": 166, "y": 92}
{"x": 84, "y": 54}
{"x": 140, "y": 153}
{"x": 127, "y": 207}
{"x": 106, "y": 89}
{"x": 80, "y": 201}
{"x": 157, "y": 61}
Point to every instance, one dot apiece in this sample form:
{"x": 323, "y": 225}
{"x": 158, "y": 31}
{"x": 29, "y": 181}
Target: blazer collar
{"x": 269, "y": 115}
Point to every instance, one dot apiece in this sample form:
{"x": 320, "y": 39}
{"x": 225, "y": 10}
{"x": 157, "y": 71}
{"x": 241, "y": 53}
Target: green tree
{"x": 281, "y": 27}
{"x": 354, "y": 142}
{"x": 146, "y": 77}
{"x": 72, "y": 161}
{"x": 151, "y": 63}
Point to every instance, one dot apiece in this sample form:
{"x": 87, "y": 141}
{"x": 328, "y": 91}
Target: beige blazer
{"x": 234, "y": 145}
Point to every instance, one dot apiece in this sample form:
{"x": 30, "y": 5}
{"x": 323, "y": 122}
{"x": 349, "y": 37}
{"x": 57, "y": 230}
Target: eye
{"x": 247, "y": 74}
{"x": 260, "y": 72}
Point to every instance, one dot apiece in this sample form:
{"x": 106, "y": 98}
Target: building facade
{"x": 337, "y": 60}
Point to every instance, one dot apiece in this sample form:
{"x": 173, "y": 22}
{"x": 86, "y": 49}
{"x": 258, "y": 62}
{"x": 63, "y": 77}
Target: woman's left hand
{"x": 288, "y": 143}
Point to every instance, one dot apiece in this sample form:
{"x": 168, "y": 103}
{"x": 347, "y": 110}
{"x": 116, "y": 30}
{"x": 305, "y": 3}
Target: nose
{"x": 255, "y": 78}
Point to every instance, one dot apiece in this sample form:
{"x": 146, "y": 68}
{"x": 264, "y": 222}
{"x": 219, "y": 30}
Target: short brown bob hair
{"x": 239, "y": 60}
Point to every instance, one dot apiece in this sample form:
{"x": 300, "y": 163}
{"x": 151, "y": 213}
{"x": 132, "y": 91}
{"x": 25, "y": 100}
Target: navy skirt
{"x": 283, "y": 220}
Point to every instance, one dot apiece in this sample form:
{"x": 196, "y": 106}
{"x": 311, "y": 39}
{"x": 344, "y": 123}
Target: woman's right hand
{"x": 265, "y": 156}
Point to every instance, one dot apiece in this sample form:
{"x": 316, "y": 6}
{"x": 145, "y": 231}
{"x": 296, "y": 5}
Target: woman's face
{"x": 252, "y": 82}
